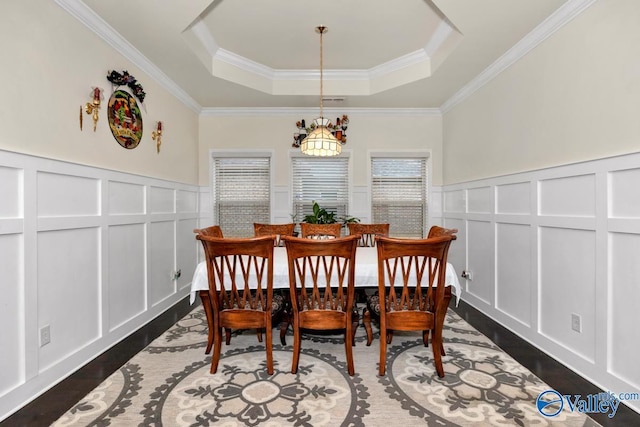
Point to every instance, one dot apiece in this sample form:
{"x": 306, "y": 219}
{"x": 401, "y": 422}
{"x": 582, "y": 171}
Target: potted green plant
{"x": 323, "y": 216}
{"x": 320, "y": 216}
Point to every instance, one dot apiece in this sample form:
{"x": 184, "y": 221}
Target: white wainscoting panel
{"x": 126, "y": 287}
{"x": 568, "y": 196}
{"x": 67, "y": 195}
{"x": 479, "y": 200}
{"x": 624, "y": 295}
{"x": 567, "y": 286}
{"x": 481, "y": 259}
{"x": 360, "y": 206}
{"x": 455, "y": 201}
{"x": 205, "y": 216}
{"x": 161, "y": 261}
{"x": 10, "y": 192}
{"x": 126, "y": 198}
{"x": 186, "y": 251}
{"x": 186, "y": 201}
{"x": 434, "y": 208}
{"x": 458, "y": 248}
{"x": 11, "y": 311}
{"x": 162, "y": 200}
{"x": 558, "y": 242}
{"x": 514, "y": 198}
{"x": 513, "y": 271}
{"x": 281, "y": 205}
{"x": 90, "y": 253}
{"x": 625, "y": 197}
{"x": 69, "y": 289}
{"x": 205, "y": 206}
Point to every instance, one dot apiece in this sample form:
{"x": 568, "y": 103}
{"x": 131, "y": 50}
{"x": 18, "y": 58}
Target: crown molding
{"x": 565, "y": 14}
{"x": 200, "y": 30}
{"x": 314, "y": 75}
{"x": 95, "y": 23}
{"x": 396, "y": 64}
{"x": 243, "y": 63}
{"x": 286, "y": 111}
{"x": 269, "y": 73}
{"x": 441, "y": 34}
{"x": 264, "y": 72}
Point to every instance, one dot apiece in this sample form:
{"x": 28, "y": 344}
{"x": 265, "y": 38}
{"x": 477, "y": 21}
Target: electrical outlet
{"x": 45, "y": 335}
{"x": 576, "y": 323}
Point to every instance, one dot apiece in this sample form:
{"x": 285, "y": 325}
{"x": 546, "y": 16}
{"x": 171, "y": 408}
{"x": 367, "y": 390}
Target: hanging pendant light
{"x": 320, "y": 141}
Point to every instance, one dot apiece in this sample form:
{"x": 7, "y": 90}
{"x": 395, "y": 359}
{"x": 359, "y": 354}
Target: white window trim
{"x": 345, "y": 153}
{"x": 403, "y": 154}
{"x": 230, "y": 152}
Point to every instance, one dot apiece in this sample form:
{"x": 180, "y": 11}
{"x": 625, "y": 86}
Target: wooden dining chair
{"x": 437, "y": 231}
{"x": 212, "y": 231}
{"x": 278, "y": 230}
{"x": 240, "y": 273}
{"x": 368, "y": 232}
{"x": 411, "y": 285}
{"x": 372, "y": 307}
{"x": 320, "y": 231}
{"x": 279, "y": 304}
{"x": 321, "y": 285}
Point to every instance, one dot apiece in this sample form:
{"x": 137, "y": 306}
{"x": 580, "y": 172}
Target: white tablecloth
{"x": 366, "y": 272}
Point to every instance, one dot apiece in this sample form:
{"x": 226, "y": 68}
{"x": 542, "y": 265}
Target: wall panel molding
{"x": 91, "y": 254}
{"x": 557, "y": 242}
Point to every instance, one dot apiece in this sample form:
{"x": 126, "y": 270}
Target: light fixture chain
{"x": 320, "y": 141}
{"x": 322, "y": 30}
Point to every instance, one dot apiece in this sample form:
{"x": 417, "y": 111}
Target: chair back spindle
{"x": 240, "y": 273}
{"x": 212, "y": 231}
{"x": 437, "y": 231}
{"x": 368, "y": 232}
{"x": 321, "y": 284}
{"x": 277, "y": 230}
{"x": 320, "y": 231}
{"x": 411, "y": 287}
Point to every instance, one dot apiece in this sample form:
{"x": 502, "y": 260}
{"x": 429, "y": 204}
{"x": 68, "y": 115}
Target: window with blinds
{"x": 399, "y": 195}
{"x": 241, "y": 193}
{"x": 324, "y": 180}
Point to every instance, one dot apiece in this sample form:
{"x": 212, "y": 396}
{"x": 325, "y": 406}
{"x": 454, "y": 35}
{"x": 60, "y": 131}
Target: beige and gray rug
{"x": 168, "y": 384}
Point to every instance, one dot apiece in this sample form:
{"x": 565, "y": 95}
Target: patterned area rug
{"x": 168, "y": 384}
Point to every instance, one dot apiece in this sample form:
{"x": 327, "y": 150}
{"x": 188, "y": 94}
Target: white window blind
{"x": 241, "y": 194}
{"x": 399, "y": 195}
{"x": 323, "y": 180}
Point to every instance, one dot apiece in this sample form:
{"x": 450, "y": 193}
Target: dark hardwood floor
{"x": 51, "y": 405}
{"x": 555, "y": 374}
{"x": 48, "y": 407}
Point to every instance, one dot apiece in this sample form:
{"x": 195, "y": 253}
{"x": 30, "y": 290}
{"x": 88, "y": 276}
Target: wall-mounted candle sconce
{"x": 156, "y": 135}
{"x": 92, "y": 108}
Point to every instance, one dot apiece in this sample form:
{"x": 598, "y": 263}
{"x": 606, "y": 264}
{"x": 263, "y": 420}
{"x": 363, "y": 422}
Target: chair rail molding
{"x": 553, "y": 255}
{"x": 91, "y": 255}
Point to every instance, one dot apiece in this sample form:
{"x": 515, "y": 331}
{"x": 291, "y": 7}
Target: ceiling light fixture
{"x": 320, "y": 141}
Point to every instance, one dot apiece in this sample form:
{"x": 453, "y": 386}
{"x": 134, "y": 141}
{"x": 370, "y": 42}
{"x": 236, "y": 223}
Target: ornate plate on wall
{"x": 125, "y": 119}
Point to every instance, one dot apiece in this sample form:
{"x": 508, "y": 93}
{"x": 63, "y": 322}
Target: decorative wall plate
{"x": 125, "y": 119}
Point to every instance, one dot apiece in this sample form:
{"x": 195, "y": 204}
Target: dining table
{"x": 366, "y": 276}
{"x": 366, "y": 273}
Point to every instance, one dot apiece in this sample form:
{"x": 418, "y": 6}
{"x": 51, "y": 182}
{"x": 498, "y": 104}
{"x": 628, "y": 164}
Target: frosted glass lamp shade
{"x": 320, "y": 141}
